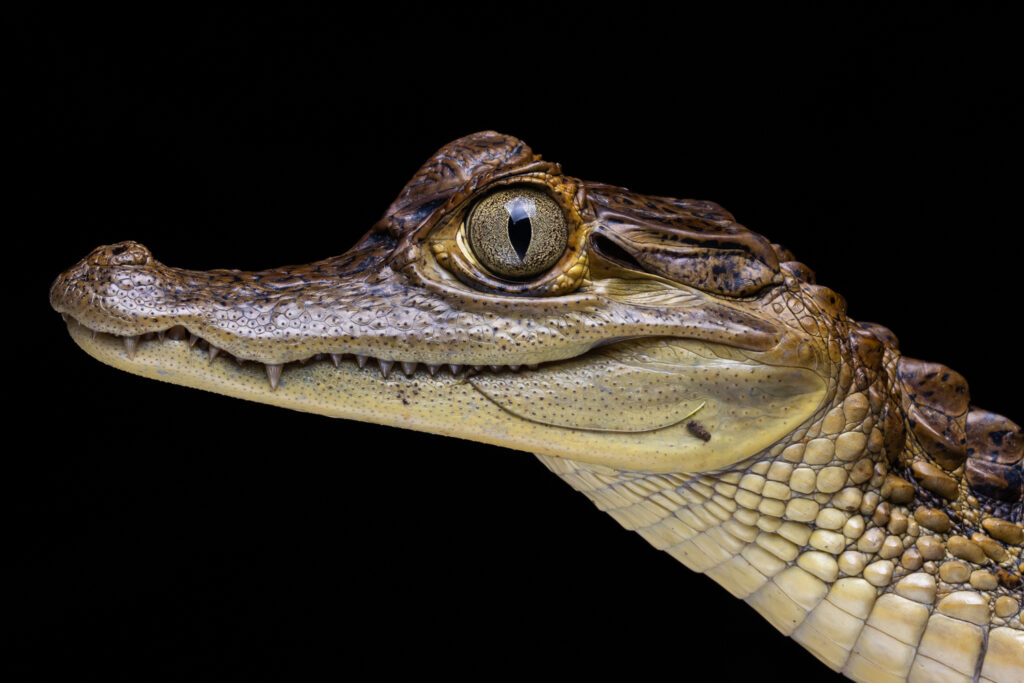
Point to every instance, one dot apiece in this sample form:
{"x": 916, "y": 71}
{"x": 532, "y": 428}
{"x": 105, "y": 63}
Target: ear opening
{"x": 613, "y": 252}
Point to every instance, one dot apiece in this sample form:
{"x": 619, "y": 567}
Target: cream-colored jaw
{"x": 629, "y": 405}
{"x": 665, "y": 392}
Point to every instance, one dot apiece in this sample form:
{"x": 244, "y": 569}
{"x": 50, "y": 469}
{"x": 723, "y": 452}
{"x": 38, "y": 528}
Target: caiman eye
{"x": 517, "y": 233}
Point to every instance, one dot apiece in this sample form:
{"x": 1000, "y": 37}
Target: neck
{"x": 821, "y": 537}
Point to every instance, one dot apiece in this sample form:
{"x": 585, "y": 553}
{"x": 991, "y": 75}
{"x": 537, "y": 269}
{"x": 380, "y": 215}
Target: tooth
{"x": 273, "y": 374}
{"x": 514, "y": 368}
{"x": 192, "y": 339}
{"x": 64, "y": 317}
{"x": 385, "y": 366}
{"x": 94, "y": 333}
{"x": 160, "y": 335}
{"x": 456, "y": 369}
{"x": 495, "y": 368}
{"x": 361, "y": 360}
{"x": 130, "y": 344}
{"x": 433, "y": 368}
{"x": 409, "y": 368}
{"x": 176, "y": 332}
{"x": 478, "y": 368}
{"x": 212, "y": 353}
{"x": 336, "y": 359}
{"x": 238, "y": 360}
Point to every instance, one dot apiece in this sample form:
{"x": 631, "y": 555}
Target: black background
{"x": 162, "y": 532}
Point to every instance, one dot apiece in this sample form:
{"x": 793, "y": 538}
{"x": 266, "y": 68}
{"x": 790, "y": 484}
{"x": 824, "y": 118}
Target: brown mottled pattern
{"x": 884, "y": 533}
{"x": 453, "y": 166}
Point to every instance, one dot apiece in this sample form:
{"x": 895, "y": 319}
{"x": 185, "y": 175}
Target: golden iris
{"x": 517, "y": 233}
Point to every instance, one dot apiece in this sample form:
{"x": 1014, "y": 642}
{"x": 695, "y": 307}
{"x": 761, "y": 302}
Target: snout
{"x": 107, "y": 256}
{"x": 121, "y": 254}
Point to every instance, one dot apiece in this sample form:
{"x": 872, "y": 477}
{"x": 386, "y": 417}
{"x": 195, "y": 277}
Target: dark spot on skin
{"x": 698, "y": 430}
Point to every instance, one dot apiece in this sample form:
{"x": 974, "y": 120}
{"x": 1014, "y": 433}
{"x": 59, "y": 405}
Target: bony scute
{"x": 680, "y": 370}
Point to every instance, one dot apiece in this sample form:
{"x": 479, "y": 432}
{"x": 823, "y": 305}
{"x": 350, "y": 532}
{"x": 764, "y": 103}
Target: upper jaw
{"x": 426, "y": 342}
{"x": 294, "y": 314}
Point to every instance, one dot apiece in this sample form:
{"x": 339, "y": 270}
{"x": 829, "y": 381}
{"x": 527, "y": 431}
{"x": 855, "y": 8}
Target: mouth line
{"x": 586, "y": 405}
{"x": 274, "y": 371}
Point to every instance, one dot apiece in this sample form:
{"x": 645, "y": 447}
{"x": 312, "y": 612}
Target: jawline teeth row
{"x": 274, "y": 370}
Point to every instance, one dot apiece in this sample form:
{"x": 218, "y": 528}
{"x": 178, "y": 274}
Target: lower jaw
{"x": 461, "y": 402}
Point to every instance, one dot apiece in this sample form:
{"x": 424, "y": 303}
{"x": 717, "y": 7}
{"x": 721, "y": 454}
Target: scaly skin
{"x": 684, "y": 373}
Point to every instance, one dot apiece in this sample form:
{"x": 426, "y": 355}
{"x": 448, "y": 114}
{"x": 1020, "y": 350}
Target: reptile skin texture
{"x": 683, "y": 372}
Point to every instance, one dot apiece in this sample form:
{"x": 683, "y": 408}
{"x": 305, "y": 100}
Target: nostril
{"x": 121, "y": 254}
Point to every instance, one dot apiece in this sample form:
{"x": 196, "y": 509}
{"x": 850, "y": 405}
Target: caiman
{"x": 684, "y": 373}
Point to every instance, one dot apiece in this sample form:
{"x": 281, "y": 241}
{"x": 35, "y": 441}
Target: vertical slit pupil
{"x": 520, "y": 234}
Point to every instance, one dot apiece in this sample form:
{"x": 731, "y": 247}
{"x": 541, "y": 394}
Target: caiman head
{"x": 681, "y": 370}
